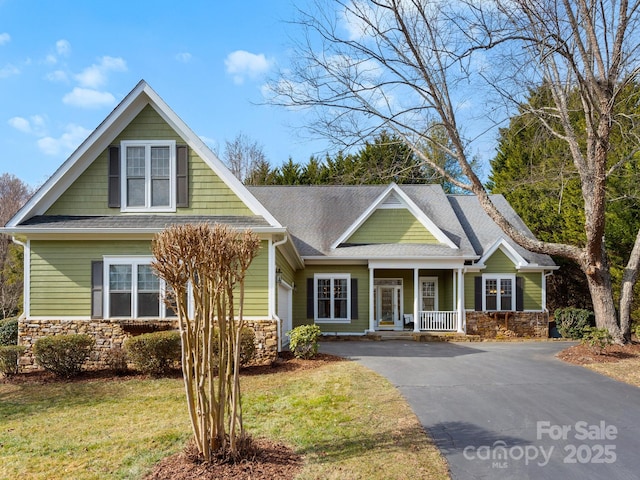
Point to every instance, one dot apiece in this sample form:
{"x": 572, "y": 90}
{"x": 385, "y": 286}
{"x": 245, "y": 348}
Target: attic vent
{"x": 392, "y": 201}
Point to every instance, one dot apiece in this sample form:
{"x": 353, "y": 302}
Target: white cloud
{"x": 20, "y": 123}
{"x": 57, "y": 76}
{"x": 9, "y": 70}
{"x": 88, "y": 98}
{"x": 51, "y": 59}
{"x": 184, "y": 57}
{"x": 63, "y": 48}
{"x": 34, "y": 124}
{"x": 241, "y": 64}
{"x": 4, "y": 38}
{"x": 95, "y": 76}
{"x": 66, "y": 143}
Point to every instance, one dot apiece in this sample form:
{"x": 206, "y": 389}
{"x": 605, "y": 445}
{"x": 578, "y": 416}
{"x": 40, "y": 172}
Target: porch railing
{"x": 438, "y": 321}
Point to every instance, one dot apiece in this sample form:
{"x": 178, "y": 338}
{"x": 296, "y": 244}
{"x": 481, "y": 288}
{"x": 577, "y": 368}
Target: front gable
{"x": 393, "y": 218}
{"x": 80, "y": 186}
{"x": 208, "y": 194}
{"x": 386, "y": 225}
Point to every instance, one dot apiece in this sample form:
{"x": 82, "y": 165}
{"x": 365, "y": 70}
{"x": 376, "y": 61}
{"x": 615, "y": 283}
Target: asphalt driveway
{"x": 511, "y": 410}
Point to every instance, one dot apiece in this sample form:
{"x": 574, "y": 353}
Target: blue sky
{"x": 65, "y": 64}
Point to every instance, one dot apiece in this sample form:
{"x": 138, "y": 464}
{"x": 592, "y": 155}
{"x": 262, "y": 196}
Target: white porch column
{"x": 416, "y": 298}
{"x": 462, "y": 324}
{"x": 372, "y": 325}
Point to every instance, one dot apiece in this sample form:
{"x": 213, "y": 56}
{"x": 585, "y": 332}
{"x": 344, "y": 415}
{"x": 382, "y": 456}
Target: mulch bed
{"x": 583, "y": 354}
{"x": 273, "y": 461}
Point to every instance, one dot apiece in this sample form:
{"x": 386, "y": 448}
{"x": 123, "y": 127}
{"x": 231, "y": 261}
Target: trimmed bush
{"x": 597, "y": 339}
{"x": 117, "y": 360}
{"x": 9, "y": 356}
{"x": 63, "y": 355}
{"x": 154, "y": 353}
{"x": 9, "y": 331}
{"x": 573, "y": 322}
{"x": 247, "y": 346}
{"x": 303, "y": 340}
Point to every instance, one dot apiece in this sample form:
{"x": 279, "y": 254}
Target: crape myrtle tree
{"x": 214, "y": 262}
{"x": 417, "y": 67}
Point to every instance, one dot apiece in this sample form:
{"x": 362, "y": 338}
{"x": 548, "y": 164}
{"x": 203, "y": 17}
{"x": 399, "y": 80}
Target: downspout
{"x": 24, "y": 275}
{"x": 275, "y": 291}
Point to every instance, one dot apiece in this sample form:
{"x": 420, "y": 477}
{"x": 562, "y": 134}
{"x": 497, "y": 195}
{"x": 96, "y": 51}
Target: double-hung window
{"x": 149, "y": 175}
{"x": 332, "y": 298}
{"x": 499, "y": 292}
{"x": 133, "y": 290}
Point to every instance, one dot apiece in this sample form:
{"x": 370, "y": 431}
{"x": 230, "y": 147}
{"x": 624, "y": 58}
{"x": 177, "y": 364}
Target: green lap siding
{"x": 500, "y": 263}
{"x": 208, "y": 194}
{"x": 61, "y": 275}
{"x": 392, "y": 226}
{"x": 359, "y": 272}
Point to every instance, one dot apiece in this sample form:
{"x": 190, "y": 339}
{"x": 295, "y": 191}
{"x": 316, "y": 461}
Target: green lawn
{"x": 348, "y": 422}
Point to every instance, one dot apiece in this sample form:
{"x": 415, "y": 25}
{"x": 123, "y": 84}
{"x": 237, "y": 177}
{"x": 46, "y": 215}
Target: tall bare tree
{"x": 13, "y": 194}
{"x": 415, "y": 66}
{"x": 244, "y": 156}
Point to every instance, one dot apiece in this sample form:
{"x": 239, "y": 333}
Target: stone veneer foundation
{"x": 113, "y": 333}
{"x": 508, "y": 324}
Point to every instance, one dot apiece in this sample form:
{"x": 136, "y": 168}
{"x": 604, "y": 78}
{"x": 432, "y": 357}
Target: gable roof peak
{"x": 130, "y": 106}
{"x": 394, "y": 197}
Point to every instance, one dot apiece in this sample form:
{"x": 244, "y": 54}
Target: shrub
{"x": 597, "y": 339}
{"x": 572, "y": 322}
{"x": 636, "y": 330}
{"x": 247, "y": 346}
{"x": 9, "y": 331}
{"x": 9, "y": 356}
{"x": 154, "y": 353}
{"x": 63, "y": 355}
{"x": 304, "y": 340}
{"x": 117, "y": 360}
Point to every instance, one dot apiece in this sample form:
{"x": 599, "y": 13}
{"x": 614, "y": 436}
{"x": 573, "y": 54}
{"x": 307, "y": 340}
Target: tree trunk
{"x": 629, "y": 278}
{"x": 603, "y": 305}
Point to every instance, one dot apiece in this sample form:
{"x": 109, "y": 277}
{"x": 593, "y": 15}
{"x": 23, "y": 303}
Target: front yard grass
{"x": 348, "y": 422}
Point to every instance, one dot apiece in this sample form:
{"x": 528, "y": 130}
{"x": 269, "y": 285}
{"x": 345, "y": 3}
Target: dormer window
{"x": 149, "y": 176}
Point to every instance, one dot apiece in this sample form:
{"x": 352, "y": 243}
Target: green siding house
{"x": 352, "y": 259}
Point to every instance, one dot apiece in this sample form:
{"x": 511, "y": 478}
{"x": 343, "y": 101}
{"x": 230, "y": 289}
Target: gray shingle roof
{"x": 317, "y": 216}
{"x": 138, "y": 221}
{"x": 483, "y": 232}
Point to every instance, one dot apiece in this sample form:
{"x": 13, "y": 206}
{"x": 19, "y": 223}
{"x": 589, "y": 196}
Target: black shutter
{"x": 96, "y": 289}
{"x": 519, "y": 294}
{"x": 114, "y": 177}
{"x": 354, "y": 299}
{"x": 310, "y": 309}
{"x": 478, "y": 293}
{"x": 182, "y": 176}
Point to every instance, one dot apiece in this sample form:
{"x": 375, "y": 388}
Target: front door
{"x": 388, "y": 307}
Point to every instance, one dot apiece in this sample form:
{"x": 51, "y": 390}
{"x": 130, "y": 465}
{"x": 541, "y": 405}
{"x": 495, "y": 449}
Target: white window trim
{"x": 146, "y": 260}
{"x": 498, "y": 277}
{"x": 147, "y": 181}
{"x": 331, "y": 276}
{"x": 436, "y": 304}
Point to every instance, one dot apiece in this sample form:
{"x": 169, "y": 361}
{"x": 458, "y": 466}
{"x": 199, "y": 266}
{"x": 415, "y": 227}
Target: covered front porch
{"x": 419, "y": 298}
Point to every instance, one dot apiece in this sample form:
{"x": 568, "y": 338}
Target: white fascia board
{"x": 508, "y": 250}
{"x": 409, "y": 204}
{"x": 110, "y": 233}
{"x": 104, "y": 134}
